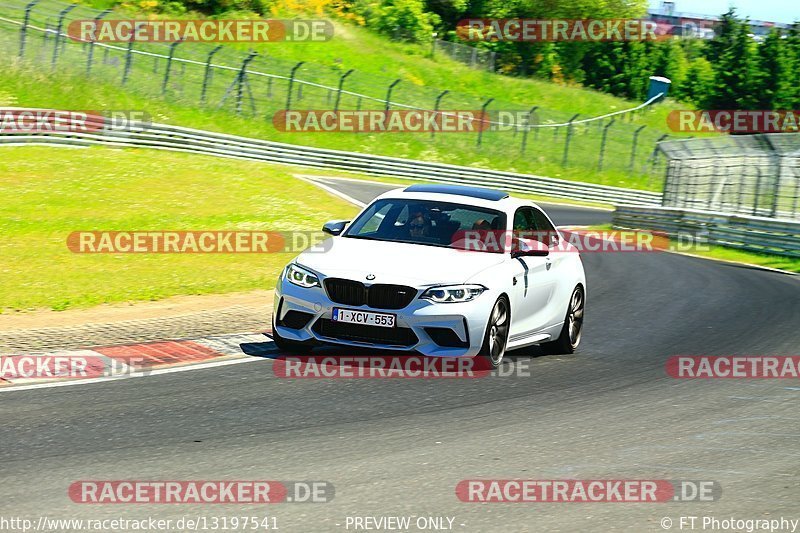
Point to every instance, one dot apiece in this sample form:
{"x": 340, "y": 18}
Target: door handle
{"x": 548, "y": 263}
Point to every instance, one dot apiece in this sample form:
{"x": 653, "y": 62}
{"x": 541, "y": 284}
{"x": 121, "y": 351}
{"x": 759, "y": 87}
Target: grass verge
{"x": 51, "y": 192}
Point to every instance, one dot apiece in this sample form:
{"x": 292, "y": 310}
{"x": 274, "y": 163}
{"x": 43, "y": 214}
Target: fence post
{"x": 757, "y": 195}
{"x": 129, "y": 57}
{"x": 566, "y": 141}
{"x": 527, "y": 129}
{"x": 653, "y": 157}
{"x": 24, "y": 29}
{"x": 169, "y": 66}
{"x": 241, "y": 81}
{"x": 436, "y": 108}
{"x": 389, "y": 93}
{"x": 603, "y": 144}
{"x": 633, "y": 147}
{"x": 291, "y": 85}
{"x": 207, "y": 74}
{"x": 339, "y": 89}
{"x": 97, "y": 19}
{"x": 59, "y": 27}
{"x": 483, "y": 120}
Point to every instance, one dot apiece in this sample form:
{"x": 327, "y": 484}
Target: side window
{"x": 523, "y": 220}
{"x": 549, "y": 233}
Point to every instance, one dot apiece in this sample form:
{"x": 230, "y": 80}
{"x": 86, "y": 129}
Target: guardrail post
{"x": 207, "y": 74}
{"x": 61, "y": 16}
{"x": 24, "y": 28}
{"x": 527, "y": 129}
{"x": 603, "y": 144}
{"x": 633, "y": 147}
{"x": 483, "y": 120}
{"x": 389, "y": 93}
{"x": 436, "y": 107}
{"x": 97, "y": 19}
{"x": 291, "y": 85}
{"x": 167, "y": 70}
{"x": 339, "y": 89}
{"x": 568, "y": 138}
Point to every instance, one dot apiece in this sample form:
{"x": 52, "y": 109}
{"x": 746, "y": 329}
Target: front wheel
{"x": 496, "y": 337}
{"x": 570, "y": 336}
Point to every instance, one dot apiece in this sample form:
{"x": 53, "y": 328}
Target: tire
{"x": 291, "y": 347}
{"x": 495, "y": 340}
{"x": 570, "y": 336}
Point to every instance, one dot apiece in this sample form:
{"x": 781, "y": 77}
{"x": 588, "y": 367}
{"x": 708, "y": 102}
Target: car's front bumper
{"x": 466, "y": 320}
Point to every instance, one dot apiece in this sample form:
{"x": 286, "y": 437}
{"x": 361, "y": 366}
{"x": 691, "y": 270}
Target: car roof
{"x": 461, "y": 190}
{"x": 454, "y": 193}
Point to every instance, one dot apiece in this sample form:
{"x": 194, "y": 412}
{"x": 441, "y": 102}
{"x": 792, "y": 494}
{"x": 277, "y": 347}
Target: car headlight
{"x": 301, "y": 277}
{"x": 453, "y": 293}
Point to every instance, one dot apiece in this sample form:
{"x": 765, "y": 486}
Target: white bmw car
{"x": 443, "y": 270}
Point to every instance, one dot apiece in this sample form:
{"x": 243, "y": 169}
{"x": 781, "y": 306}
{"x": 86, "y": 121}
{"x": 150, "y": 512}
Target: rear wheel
{"x": 286, "y": 345}
{"x": 496, "y": 336}
{"x": 570, "y": 336}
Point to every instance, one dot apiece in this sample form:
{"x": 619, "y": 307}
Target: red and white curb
{"x": 106, "y": 363}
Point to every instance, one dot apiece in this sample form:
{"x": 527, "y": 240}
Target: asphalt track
{"x": 399, "y": 447}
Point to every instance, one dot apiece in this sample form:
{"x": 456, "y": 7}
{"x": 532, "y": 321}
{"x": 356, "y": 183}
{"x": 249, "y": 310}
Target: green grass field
{"x": 50, "y": 192}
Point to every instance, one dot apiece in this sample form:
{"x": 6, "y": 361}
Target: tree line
{"x": 730, "y": 71}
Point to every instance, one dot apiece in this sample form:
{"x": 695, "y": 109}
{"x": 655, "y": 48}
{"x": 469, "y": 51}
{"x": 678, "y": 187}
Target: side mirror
{"x": 335, "y": 227}
{"x": 529, "y": 248}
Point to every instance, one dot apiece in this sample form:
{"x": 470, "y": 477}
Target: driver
{"x": 419, "y": 223}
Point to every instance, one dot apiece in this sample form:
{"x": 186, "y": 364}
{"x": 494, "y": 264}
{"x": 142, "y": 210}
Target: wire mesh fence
{"x": 469, "y": 55}
{"x": 750, "y": 175}
{"x": 256, "y": 85}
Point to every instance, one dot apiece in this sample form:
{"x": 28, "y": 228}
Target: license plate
{"x": 367, "y": 318}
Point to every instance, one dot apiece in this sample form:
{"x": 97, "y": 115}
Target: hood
{"x": 399, "y": 263}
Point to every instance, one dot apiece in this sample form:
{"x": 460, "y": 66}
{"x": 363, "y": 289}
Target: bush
{"x": 402, "y": 20}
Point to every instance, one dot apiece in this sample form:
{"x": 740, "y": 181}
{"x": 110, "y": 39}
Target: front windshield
{"x": 426, "y": 222}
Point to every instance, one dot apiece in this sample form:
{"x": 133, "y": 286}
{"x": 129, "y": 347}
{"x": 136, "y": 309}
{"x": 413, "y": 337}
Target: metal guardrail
{"x": 168, "y": 137}
{"x": 756, "y": 234}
